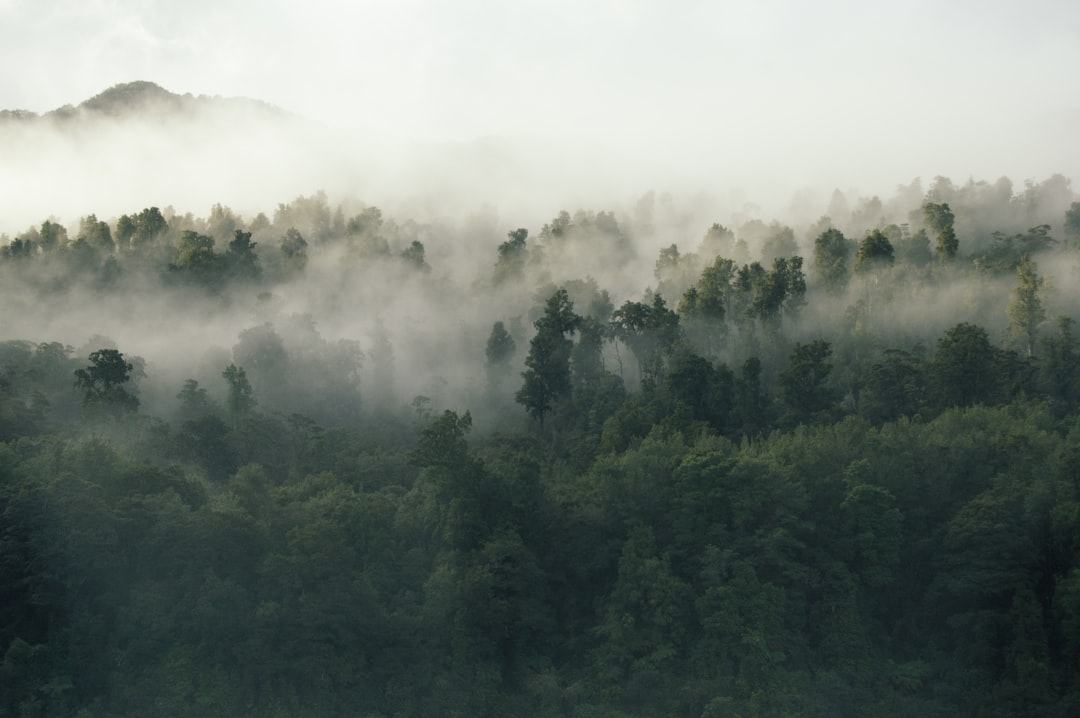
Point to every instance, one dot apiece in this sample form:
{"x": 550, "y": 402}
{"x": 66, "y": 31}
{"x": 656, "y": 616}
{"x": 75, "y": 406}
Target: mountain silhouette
{"x": 142, "y": 99}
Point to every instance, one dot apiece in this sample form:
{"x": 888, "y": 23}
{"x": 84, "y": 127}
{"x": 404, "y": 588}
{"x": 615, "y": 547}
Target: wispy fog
{"x": 417, "y": 324}
{"x": 547, "y": 99}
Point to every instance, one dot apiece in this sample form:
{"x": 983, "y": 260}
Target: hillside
{"x": 140, "y": 99}
{"x": 339, "y": 461}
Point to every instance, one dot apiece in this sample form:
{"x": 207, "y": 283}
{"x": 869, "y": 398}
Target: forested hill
{"x": 140, "y": 99}
{"x": 328, "y": 462}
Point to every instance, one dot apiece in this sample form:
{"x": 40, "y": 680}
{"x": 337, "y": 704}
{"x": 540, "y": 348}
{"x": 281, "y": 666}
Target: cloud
{"x": 832, "y": 92}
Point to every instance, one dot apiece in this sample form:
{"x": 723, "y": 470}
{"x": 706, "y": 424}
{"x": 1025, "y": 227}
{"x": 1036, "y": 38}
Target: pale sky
{"x": 834, "y": 90}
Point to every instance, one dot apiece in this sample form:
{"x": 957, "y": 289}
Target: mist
{"x": 298, "y": 419}
{"x": 216, "y": 166}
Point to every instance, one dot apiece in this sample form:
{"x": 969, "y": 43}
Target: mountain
{"x": 139, "y": 145}
{"x": 143, "y": 99}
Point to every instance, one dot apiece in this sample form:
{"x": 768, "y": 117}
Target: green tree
{"x": 241, "y": 399}
{"x": 831, "y": 253}
{"x": 893, "y": 387}
{"x": 52, "y": 236}
{"x": 103, "y": 382}
{"x": 194, "y": 401}
{"x": 869, "y": 517}
{"x": 547, "y": 374}
{"x": 875, "y": 252}
{"x": 367, "y": 222}
{"x": 125, "y": 230}
{"x": 240, "y": 258}
{"x": 645, "y": 620}
{"x": 1059, "y": 366}
{"x": 650, "y": 331}
{"x": 703, "y": 390}
{"x": 719, "y": 241}
{"x": 1072, "y": 226}
{"x": 442, "y": 443}
{"x": 778, "y": 293}
{"x": 148, "y": 226}
{"x": 19, "y": 248}
{"x": 750, "y": 412}
{"x": 96, "y": 233}
{"x": 1008, "y": 251}
{"x": 586, "y": 359}
{"x": 500, "y": 346}
{"x": 1026, "y": 311}
{"x": 804, "y": 384}
{"x": 915, "y": 250}
{"x": 962, "y": 371}
{"x": 512, "y": 255}
{"x": 742, "y": 623}
{"x": 294, "y": 249}
{"x": 947, "y": 244}
{"x": 705, "y": 306}
{"x": 940, "y": 219}
{"x": 195, "y": 256}
{"x": 780, "y": 242}
{"x": 414, "y": 256}
{"x": 748, "y": 279}
{"x": 499, "y": 351}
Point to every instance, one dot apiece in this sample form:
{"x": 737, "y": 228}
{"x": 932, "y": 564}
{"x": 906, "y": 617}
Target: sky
{"x": 827, "y": 93}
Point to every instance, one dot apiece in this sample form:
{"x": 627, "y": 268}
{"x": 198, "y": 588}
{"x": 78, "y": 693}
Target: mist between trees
{"x": 326, "y": 461}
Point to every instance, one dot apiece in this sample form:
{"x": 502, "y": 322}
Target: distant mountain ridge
{"x": 140, "y": 99}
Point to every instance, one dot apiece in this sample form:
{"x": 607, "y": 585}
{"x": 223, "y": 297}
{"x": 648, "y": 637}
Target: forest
{"x": 636, "y": 462}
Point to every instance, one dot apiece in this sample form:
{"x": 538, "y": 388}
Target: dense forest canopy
{"x": 328, "y": 461}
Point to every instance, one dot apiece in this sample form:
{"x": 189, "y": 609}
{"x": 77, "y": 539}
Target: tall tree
{"x": 940, "y": 219}
{"x": 499, "y": 352}
{"x": 1072, "y": 225}
{"x": 414, "y": 256}
{"x": 750, "y": 410}
{"x": 547, "y": 374}
{"x": 241, "y": 399}
{"x": 96, "y": 233}
{"x": 103, "y": 382}
{"x": 294, "y": 248}
{"x": 149, "y": 225}
{"x": 893, "y": 387}
{"x": 650, "y": 330}
{"x": 875, "y": 252}
{"x": 962, "y": 371}
{"x": 512, "y": 256}
{"x": 805, "y": 383}
{"x": 195, "y": 255}
{"x": 1059, "y": 366}
{"x": 1026, "y": 311}
{"x": 241, "y": 258}
{"x": 500, "y": 346}
{"x": 719, "y": 241}
{"x": 831, "y": 253}
{"x": 779, "y": 293}
{"x": 704, "y": 306}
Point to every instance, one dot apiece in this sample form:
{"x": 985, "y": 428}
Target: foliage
{"x": 650, "y": 331}
{"x": 512, "y": 256}
{"x": 804, "y": 384}
{"x": 875, "y": 252}
{"x": 940, "y": 218}
{"x": 103, "y": 382}
{"x": 1026, "y": 312}
{"x": 547, "y": 373}
{"x": 830, "y": 259}
{"x": 799, "y": 511}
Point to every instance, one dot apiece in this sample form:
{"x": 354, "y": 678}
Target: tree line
{"x": 755, "y": 488}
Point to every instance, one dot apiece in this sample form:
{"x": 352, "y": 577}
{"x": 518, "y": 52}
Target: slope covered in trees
{"x": 327, "y": 462}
